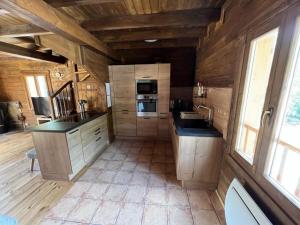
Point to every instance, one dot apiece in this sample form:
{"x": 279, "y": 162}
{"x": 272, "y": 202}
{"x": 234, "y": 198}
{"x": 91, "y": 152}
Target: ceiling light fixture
{"x": 150, "y": 40}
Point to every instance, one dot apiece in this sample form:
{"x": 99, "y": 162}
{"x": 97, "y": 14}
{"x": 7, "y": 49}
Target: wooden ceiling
{"x": 121, "y": 24}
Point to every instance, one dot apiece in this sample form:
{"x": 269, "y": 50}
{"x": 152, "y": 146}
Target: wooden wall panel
{"x": 12, "y": 84}
{"x": 221, "y": 52}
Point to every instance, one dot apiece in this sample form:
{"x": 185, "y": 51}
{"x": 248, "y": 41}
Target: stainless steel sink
{"x": 190, "y": 116}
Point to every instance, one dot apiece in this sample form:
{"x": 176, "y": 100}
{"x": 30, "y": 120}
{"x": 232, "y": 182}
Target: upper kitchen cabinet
{"x": 146, "y": 71}
{"x": 164, "y": 71}
{"x": 122, "y": 72}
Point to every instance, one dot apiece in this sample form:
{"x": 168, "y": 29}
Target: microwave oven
{"x": 146, "y": 87}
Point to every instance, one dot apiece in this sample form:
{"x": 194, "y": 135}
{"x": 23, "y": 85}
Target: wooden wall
{"x": 13, "y": 88}
{"x": 218, "y": 64}
{"x": 12, "y": 84}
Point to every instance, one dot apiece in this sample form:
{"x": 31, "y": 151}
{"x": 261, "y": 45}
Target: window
{"x": 283, "y": 169}
{"x": 37, "y": 86}
{"x": 258, "y": 71}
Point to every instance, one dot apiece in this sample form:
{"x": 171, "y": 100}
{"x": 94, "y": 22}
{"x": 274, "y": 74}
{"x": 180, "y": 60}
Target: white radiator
{"x": 240, "y": 208}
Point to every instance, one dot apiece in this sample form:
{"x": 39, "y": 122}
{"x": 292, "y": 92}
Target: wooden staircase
{"x": 63, "y": 101}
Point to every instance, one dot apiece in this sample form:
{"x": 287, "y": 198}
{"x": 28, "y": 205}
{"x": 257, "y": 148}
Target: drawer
{"x": 147, "y": 126}
{"x": 122, "y": 72}
{"x": 146, "y": 71}
{"x": 73, "y": 138}
{"x": 86, "y": 134}
{"x": 124, "y": 105}
{"x": 92, "y": 137}
{"x": 75, "y": 152}
{"x": 124, "y": 89}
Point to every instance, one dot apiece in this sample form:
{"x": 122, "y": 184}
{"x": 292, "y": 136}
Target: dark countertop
{"x": 196, "y": 128}
{"x": 66, "y": 124}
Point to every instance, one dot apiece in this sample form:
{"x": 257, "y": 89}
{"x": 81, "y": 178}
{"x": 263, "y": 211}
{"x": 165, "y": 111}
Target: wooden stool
{"x": 31, "y": 154}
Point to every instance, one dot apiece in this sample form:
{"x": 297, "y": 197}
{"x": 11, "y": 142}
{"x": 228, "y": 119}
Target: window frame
{"x": 255, "y": 175}
{"x": 36, "y": 73}
{"x": 250, "y": 36}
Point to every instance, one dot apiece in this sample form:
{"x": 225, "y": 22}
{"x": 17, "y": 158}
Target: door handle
{"x": 264, "y": 114}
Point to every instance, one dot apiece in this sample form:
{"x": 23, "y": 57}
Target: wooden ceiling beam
{"x": 195, "y": 17}
{"x": 41, "y": 14}
{"x": 67, "y": 3}
{"x": 21, "y": 31}
{"x": 143, "y": 34}
{"x": 175, "y": 43}
{"x": 13, "y": 50}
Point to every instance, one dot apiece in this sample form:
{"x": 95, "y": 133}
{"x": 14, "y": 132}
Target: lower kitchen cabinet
{"x": 62, "y": 155}
{"x": 163, "y": 127}
{"x": 197, "y": 159}
{"x": 147, "y": 126}
{"x": 125, "y": 123}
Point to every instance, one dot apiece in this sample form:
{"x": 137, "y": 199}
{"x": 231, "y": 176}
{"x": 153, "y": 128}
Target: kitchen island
{"x": 198, "y": 151}
{"x": 66, "y": 146}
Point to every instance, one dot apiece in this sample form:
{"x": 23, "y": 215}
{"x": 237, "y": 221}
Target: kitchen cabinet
{"x": 124, "y": 89}
{"x": 163, "y": 96}
{"x": 62, "y": 154}
{"x": 123, "y": 82}
{"x": 147, "y": 126}
{"x": 164, "y": 71}
{"x": 124, "y": 105}
{"x": 146, "y": 71}
{"x": 198, "y": 159}
{"x": 122, "y": 72}
{"x": 125, "y": 123}
{"x": 163, "y": 126}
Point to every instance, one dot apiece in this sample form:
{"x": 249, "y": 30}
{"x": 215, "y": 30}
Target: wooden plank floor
{"x": 24, "y": 195}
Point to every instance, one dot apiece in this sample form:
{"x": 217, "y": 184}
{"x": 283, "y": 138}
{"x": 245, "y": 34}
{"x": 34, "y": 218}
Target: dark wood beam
{"x": 66, "y": 3}
{"x": 21, "y": 31}
{"x": 197, "y": 17}
{"x": 41, "y": 14}
{"x": 143, "y": 34}
{"x": 13, "y": 50}
{"x": 176, "y": 43}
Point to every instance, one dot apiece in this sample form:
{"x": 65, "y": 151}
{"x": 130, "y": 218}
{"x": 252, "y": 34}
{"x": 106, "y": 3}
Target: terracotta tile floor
{"x": 134, "y": 183}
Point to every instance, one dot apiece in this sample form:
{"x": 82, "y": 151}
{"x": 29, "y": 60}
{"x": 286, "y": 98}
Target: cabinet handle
{"x": 161, "y": 118}
{"x": 74, "y": 131}
{"x": 98, "y": 139}
{"x": 146, "y": 77}
{"x": 163, "y": 113}
{"x": 146, "y": 118}
{"x": 98, "y": 133}
{"x": 97, "y": 129}
{"x": 124, "y": 110}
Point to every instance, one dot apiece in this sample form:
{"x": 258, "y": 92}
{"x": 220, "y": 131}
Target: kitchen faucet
{"x": 209, "y": 112}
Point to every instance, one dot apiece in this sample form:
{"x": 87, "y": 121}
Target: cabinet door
{"x": 125, "y": 123}
{"x": 163, "y": 127}
{"x": 163, "y": 96}
{"x": 124, "y": 105}
{"x": 124, "y": 89}
{"x": 75, "y": 151}
{"x": 122, "y": 72}
{"x": 146, "y": 71}
{"x": 147, "y": 126}
{"x": 164, "y": 71}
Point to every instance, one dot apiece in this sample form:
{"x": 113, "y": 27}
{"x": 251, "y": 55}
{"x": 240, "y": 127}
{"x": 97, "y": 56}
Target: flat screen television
{"x": 41, "y": 106}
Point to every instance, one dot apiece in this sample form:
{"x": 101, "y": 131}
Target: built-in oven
{"x": 146, "y": 106}
{"x": 146, "y": 87}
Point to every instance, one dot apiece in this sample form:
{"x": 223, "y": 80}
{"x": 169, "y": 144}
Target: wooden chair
{"x": 31, "y": 154}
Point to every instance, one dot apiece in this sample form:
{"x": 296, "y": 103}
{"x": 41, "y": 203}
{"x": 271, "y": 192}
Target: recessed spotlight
{"x": 151, "y": 40}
